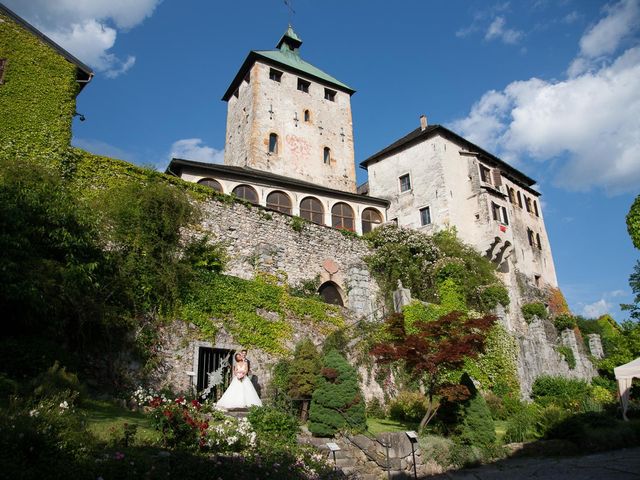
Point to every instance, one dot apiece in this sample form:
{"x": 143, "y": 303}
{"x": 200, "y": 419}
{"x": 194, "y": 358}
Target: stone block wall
{"x": 266, "y": 241}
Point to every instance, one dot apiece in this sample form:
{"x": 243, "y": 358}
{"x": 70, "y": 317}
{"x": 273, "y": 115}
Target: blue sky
{"x": 553, "y": 87}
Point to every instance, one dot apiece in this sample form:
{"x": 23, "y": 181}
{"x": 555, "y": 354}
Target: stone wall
{"x": 539, "y": 357}
{"x": 260, "y": 240}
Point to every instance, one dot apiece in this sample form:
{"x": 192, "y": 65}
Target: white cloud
{"x": 87, "y": 28}
{"x": 605, "y": 36}
{"x": 498, "y": 31}
{"x": 590, "y": 120}
{"x": 194, "y": 149}
{"x": 596, "y": 309}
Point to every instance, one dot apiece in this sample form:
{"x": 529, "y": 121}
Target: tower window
{"x": 425, "y": 216}
{"x": 535, "y": 208}
{"x": 405, "y": 183}
{"x": 307, "y": 116}
{"x": 330, "y": 95}
{"x": 519, "y": 200}
{"x": 303, "y": 85}
{"x": 327, "y": 155}
{"x": 3, "y": 64}
{"x": 527, "y": 204}
{"x": 275, "y": 75}
{"x": 273, "y": 143}
{"x": 538, "y": 242}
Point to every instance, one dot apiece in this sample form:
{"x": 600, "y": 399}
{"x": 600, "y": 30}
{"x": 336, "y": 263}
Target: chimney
{"x": 423, "y": 122}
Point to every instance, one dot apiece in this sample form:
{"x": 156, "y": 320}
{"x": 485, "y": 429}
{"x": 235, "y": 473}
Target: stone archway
{"x": 331, "y": 293}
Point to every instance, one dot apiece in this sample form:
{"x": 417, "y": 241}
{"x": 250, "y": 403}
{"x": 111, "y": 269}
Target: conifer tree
{"x": 304, "y": 374}
{"x": 337, "y": 402}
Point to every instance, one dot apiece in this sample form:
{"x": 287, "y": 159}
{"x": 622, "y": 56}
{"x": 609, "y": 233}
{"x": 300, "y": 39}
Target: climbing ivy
{"x": 37, "y": 98}
{"x": 255, "y": 312}
{"x": 423, "y": 262}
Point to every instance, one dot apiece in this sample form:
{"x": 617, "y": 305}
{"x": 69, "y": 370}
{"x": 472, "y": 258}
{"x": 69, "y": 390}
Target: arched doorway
{"x": 330, "y": 293}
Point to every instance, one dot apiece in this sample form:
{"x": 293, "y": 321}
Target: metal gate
{"x": 209, "y": 360}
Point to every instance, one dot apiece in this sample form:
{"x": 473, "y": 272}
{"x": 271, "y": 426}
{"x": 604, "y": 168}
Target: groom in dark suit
{"x": 252, "y": 378}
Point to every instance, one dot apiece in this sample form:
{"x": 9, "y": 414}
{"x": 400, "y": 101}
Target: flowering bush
{"x": 180, "y": 421}
{"x": 230, "y": 435}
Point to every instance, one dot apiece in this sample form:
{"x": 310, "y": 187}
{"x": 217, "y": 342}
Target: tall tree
{"x": 434, "y": 348}
{"x": 633, "y": 227}
{"x": 304, "y": 374}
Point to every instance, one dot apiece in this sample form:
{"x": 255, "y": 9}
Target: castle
{"x": 290, "y": 149}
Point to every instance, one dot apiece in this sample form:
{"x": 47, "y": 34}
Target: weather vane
{"x": 289, "y": 4}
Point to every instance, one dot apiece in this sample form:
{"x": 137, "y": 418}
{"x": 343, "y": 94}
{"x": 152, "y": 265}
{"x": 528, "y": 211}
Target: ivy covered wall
{"x": 37, "y": 98}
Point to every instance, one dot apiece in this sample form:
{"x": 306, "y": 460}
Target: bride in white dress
{"x": 240, "y": 393}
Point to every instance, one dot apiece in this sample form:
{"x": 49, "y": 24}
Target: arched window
{"x": 246, "y": 193}
{"x": 370, "y": 218}
{"x": 211, "y": 183}
{"x": 273, "y": 143}
{"x": 330, "y": 294}
{"x": 342, "y": 216}
{"x": 307, "y": 116}
{"x": 279, "y": 201}
{"x": 311, "y": 209}
{"x": 327, "y": 155}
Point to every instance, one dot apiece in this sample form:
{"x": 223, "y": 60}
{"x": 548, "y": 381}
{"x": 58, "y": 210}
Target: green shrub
{"x": 494, "y": 295}
{"x": 602, "y": 395}
{"x": 337, "y": 403}
{"x": 408, "y": 406}
{"x": 521, "y": 426}
{"x": 436, "y": 448}
{"x": 535, "y": 309}
{"x": 56, "y": 381}
{"x": 8, "y": 387}
{"x": 565, "y": 392}
{"x": 568, "y": 355}
{"x": 547, "y": 418}
{"x": 564, "y": 322}
{"x": 303, "y": 378}
{"x": 477, "y": 427}
{"x": 272, "y": 424}
{"x": 375, "y": 409}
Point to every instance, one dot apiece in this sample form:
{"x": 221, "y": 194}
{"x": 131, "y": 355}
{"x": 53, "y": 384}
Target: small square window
{"x": 405, "y": 183}
{"x": 485, "y": 174}
{"x": 275, "y": 75}
{"x": 330, "y": 95}
{"x": 425, "y": 216}
{"x": 303, "y": 85}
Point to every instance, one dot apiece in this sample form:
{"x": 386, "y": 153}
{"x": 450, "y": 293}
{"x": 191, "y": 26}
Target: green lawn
{"x": 501, "y": 429}
{"x": 106, "y": 420}
{"x": 381, "y": 425}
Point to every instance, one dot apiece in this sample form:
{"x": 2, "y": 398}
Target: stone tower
{"x": 287, "y": 117}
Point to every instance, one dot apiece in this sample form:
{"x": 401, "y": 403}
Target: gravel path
{"x": 616, "y": 465}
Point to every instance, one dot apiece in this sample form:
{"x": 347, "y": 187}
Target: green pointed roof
{"x": 287, "y": 57}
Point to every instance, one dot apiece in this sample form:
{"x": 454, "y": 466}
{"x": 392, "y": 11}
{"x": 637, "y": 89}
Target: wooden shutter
{"x": 497, "y": 177}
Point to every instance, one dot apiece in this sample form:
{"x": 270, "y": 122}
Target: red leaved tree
{"x": 438, "y": 346}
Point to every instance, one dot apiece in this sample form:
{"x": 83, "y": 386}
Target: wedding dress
{"x": 240, "y": 393}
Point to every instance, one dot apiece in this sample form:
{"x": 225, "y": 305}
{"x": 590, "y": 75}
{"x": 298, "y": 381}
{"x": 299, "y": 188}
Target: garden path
{"x": 615, "y": 465}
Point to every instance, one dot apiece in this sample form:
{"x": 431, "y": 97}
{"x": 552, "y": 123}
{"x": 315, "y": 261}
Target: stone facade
{"x": 305, "y": 123}
{"x": 539, "y": 357}
{"x": 258, "y": 240}
{"x": 367, "y": 212}
{"x": 492, "y": 206}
